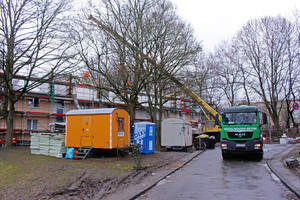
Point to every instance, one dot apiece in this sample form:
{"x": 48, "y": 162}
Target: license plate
{"x": 240, "y": 145}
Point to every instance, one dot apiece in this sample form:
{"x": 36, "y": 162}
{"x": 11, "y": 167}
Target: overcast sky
{"x": 217, "y": 20}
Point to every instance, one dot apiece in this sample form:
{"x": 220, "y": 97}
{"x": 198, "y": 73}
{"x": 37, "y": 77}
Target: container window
{"x": 120, "y": 124}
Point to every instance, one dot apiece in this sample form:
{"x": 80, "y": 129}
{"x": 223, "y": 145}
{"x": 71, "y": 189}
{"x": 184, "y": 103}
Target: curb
{"x": 283, "y": 179}
{"x": 164, "y": 176}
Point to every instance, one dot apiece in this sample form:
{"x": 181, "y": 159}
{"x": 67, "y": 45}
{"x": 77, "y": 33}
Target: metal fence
{"x": 274, "y": 135}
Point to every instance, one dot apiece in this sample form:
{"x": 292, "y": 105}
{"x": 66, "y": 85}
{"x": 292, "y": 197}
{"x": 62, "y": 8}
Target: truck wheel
{"x": 225, "y": 156}
{"x": 259, "y": 156}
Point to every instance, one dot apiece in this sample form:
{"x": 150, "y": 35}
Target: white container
{"x": 283, "y": 139}
{"x": 176, "y": 133}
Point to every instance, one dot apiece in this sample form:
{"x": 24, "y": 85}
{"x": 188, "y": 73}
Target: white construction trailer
{"x": 176, "y": 134}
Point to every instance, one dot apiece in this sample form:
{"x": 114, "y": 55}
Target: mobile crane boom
{"x": 198, "y": 100}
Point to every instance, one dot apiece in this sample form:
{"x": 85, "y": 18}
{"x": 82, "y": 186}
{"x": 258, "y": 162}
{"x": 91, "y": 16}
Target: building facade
{"x": 43, "y": 109}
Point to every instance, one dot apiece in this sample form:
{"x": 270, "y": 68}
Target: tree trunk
{"x": 10, "y": 126}
{"x": 131, "y": 111}
{"x": 275, "y": 120}
{"x": 156, "y": 121}
{"x": 160, "y": 117}
{"x": 159, "y": 125}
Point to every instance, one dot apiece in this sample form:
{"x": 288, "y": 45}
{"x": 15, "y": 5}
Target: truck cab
{"x": 240, "y": 131}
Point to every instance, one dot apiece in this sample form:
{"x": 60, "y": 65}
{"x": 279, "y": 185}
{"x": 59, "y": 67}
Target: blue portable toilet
{"x": 144, "y": 134}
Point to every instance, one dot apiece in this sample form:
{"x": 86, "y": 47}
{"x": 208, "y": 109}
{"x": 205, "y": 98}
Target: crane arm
{"x": 204, "y": 112}
{"x": 198, "y": 100}
{"x": 115, "y": 35}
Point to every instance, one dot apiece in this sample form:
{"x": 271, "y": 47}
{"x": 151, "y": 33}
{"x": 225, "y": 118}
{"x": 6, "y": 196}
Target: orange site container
{"x": 105, "y": 128}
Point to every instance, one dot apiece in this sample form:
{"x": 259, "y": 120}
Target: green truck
{"x": 241, "y": 131}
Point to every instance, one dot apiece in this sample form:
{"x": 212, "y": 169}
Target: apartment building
{"x": 43, "y": 109}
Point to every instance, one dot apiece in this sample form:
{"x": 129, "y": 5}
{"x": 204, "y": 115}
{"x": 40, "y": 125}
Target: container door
{"x": 189, "y": 135}
{"x": 86, "y": 134}
{"x": 151, "y": 139}
{"x": 178, "y": 135}
{"x": 121, "y": 131}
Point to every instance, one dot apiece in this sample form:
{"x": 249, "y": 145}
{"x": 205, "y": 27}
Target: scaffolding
{"x": 42, "y": 110}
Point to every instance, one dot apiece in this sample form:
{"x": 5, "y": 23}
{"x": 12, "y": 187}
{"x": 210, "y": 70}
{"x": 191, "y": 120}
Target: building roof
{"x": 145, "y": 123}
{"x": 91, "y": 111}
{"x": 175, "y": 121}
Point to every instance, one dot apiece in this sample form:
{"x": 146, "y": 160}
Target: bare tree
{"x": 196, "y": 74}
{"x": 245, "y": 83}
{"x": 154, "y": 32}
{"x": 228, "y": 70}
{"x": 211, "y": 89}
{"x": 123, "y": 71}
{"x": 293, "y": 70}
{"x": 32, "y": 48}
{"x": 173, "y": 46}
{"x": 263, "y": 42}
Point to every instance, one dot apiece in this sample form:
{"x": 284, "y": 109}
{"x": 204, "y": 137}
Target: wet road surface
{"x": 208, "y": 176}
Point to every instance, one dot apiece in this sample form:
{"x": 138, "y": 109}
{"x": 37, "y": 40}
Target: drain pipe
{"x": 76, "y": 101}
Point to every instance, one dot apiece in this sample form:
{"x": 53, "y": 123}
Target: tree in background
{"x": 172, "y": 46}
{"x": 196, "y": 76}
{"x": 33, "y": 48}
{"x": 293, "y": 70}
{"x": 122, "y": 71}
{"x": 264, "y": 44}
{"x": 227, "y": 66}
{"x": 159, "y": 41}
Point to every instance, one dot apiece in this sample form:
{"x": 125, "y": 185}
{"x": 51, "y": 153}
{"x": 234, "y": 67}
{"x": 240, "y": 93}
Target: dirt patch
{"x": 296, "y": 171}
{"x": 27, "y": 176}
{"x": 295, "y": 153}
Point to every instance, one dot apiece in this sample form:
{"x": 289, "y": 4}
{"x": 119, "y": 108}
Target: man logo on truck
{"x": 240, "y": 134}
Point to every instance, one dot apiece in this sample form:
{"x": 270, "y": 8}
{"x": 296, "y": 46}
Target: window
{"x": 239, "y": 118}
{"x": 32, "y": 124}
{"x": 85, "y": 106}
{"x": 192, "y": 115}
{"x": 60, "y": 110}
{"x": 33, "y": 102}
{"x": 120, "y": 127}
{"x": 120, "y": 124}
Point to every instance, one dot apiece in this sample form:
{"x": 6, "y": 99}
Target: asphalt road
{"x": 208, "y": 176}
